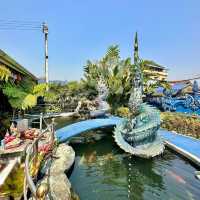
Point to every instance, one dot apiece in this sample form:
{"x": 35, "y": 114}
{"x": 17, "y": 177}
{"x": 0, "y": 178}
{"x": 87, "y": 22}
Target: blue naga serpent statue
{"x": 188, "y": 103}
{"x": 138, "y": 134}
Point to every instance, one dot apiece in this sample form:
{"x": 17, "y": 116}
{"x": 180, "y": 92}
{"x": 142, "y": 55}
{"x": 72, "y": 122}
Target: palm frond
{"x": 113, "y": 52}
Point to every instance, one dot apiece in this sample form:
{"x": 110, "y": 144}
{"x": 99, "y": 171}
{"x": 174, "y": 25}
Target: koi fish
{"x": 88, "y": 158}
{"x": 178, "y": 178}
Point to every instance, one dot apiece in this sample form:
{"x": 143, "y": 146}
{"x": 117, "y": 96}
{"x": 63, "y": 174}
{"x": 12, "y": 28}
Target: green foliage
{"x": 24, "y": 95}
{"x": 181, "y": 123}
{"x": 123, "y": 112}
{"x": 91, "y": 71}
{"x": 53, "y": 108}
{"x": 74, "y": 87}
{"x": 116, "y": 72}
{"x": 27, "y": 85}
{"x": 29, "y": 101}
{"x": 14, "y": 182}
{"x": 15, "y": 94}
{"x": 4, "y": 73}
{"x": 51, "y": 97}
{"x": 88, "y": 89}
{"x": 40, "y": 89}
{"x": 63, "y": 97}
{"x": 4, "y": 123}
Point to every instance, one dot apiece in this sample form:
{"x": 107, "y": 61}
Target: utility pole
{"x": 45, "y": 31}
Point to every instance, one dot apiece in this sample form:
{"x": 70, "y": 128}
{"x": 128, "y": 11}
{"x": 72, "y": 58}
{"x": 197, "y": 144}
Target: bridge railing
{"x": 31, "y": 159}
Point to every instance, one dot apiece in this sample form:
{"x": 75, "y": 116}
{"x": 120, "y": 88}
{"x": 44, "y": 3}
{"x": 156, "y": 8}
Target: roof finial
{"x": 136, "y": 53}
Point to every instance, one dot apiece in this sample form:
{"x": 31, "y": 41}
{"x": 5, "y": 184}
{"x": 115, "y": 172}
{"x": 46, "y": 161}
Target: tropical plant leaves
{"x": 29, "y": 101}
{"x": 112, "y": 52}
{"x": 5, "y": 73}
{"x": 40, "y": 89}
{"x": 118, "y": 74}
{"x": 21, "y": 97}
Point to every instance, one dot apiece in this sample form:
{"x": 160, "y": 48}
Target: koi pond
{"x": 104, "y": 172}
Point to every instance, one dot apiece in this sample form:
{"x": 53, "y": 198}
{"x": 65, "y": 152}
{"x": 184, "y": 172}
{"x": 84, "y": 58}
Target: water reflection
{"x": 101, "y": 172}
{"x": 142, "y": 174}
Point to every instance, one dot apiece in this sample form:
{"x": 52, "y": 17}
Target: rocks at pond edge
{"x": 59, "y": 185}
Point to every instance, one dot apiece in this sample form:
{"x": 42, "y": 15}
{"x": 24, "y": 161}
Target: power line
{"x": 19, "y": 29}
{"x": 6, "y": 25}
{"x": 20, "y": 25}
{"x": 19, "y": 21}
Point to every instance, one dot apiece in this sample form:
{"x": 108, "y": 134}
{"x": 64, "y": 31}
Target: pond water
{"x": 103, "y": 172}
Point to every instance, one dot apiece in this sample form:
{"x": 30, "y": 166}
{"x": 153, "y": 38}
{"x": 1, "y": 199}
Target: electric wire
{"x": 20, "y": 25}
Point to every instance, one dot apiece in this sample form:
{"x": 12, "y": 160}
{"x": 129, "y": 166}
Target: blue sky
{"x": 169, "y": 33}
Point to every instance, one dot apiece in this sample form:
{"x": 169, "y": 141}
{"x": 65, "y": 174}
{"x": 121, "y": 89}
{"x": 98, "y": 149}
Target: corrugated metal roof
{"x": 12, "y": 64}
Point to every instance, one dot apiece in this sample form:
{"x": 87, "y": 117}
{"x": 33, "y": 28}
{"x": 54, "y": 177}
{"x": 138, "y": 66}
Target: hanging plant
{"x": 5, "y": 73}
{"x": 29, "y": 101}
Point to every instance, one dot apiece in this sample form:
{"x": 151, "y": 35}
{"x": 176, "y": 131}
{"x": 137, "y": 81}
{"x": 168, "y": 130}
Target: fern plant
{"x": 23, "y": 96}
{"x": 15, "y": 94}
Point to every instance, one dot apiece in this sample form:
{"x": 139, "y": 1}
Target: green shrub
{"x": 4, "y": 123}
{"x": 181, "y": 123}
{"x": 123, "y": 112}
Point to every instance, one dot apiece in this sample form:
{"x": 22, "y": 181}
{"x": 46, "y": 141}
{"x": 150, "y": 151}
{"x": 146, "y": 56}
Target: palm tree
{"x": 115, "y": 72}
{"x": 118, "y": 74}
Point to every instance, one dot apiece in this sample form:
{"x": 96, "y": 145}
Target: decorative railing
{"x": 32, "y": 151}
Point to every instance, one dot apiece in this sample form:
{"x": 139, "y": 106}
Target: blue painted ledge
{"x": 83, "y": 126}
{"x": 185, "y": 145}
